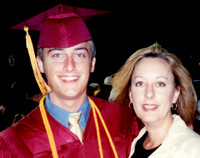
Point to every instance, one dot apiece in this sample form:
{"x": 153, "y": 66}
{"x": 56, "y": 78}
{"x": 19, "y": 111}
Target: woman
{"x": 161, "y": 92}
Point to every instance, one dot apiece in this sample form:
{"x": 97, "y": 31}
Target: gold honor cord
{"x": 48, "y": 128}
{"x": 97, "y": 130}
{"x": 95, "y": 111}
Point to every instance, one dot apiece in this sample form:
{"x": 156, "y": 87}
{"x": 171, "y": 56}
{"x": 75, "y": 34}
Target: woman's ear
{"x": 40, "y": 64}
{"x": 130, "y": 94}
{"x": 176, "y": 95}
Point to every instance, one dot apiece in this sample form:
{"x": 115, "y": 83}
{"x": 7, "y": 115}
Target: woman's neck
{"x": 157, "y": 132}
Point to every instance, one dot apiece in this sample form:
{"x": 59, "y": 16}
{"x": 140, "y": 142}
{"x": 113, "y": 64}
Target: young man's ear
{"x": 93, "y": 64}
{"x": 40, "y": 64}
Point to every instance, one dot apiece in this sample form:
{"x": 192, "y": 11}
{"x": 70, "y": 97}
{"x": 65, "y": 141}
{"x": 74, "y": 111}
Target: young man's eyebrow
{"x": 61, "y": 49}
{"x": 81, "y": 48}
{"x": 55, "y": 49}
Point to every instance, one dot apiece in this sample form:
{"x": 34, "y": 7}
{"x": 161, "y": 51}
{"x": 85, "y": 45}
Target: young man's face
{"x": 67, "y": 70}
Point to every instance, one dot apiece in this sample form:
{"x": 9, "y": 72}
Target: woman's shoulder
{"x": 186, "y": 140}
{"x": 192, "y": 137}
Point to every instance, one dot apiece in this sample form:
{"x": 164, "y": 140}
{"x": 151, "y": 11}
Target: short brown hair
{"x": 92, "y": 54}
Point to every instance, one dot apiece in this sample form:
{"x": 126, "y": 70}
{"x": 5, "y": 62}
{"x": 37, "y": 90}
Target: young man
{"x": 66, "y": 56}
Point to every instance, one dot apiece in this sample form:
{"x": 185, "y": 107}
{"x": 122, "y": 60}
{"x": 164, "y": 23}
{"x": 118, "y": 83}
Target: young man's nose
{"x": 69, "y": 64}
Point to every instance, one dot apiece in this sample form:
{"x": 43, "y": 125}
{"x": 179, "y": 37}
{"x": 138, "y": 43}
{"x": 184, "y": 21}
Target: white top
{"x": 180, "y": 142}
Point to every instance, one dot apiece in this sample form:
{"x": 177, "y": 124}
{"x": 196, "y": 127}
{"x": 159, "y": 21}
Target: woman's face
{"x": 153, "y": 90}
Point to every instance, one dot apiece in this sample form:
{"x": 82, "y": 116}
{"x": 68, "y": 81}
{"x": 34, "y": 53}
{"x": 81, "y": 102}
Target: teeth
{"x": 70, "y": 78}
{"x": 149, "y": 106}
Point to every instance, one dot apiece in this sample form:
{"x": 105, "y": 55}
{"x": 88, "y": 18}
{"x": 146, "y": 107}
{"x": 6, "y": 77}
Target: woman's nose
{"x": 149, "y": 92}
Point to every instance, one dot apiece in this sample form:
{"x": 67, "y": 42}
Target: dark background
{"x": 128, "y": 27}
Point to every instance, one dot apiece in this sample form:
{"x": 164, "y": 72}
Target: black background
{"x": 128, "y": 27}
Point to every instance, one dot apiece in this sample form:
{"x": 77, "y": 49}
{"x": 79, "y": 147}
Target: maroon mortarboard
{"x": 60, "y": 27}
{"x": 63, "y": 31}
{"x": 34, "y": 23}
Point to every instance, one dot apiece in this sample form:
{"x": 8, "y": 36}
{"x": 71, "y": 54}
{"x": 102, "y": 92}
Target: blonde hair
{"x": 186, "y": 103}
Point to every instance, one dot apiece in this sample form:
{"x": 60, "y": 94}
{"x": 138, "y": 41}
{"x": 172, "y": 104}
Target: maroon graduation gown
{"x": 28, "y": 138}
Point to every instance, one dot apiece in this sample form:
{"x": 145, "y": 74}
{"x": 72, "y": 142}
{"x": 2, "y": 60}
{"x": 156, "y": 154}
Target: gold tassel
{"x": 44, "y": 88}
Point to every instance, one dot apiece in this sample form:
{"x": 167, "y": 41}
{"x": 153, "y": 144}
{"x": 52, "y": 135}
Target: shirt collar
{"x": 62, "y": 115}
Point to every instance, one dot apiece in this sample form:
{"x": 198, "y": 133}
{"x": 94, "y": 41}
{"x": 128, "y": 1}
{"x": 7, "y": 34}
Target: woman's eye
{"x": 160, "y": 84}
{"x": 139, "y": 84}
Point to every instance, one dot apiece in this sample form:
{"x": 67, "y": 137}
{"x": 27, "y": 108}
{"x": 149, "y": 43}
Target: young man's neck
{"x": 68, "y": 103}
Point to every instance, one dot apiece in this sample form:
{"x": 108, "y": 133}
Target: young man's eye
{"x": 81, "y": 55}
{"x": 56, "y": 55}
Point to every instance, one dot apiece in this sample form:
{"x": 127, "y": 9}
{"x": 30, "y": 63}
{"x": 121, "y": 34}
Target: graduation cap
{"x": 62, "y": 26}
{"x": 34, "y": 23}
{"x": 48, "y": 21}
